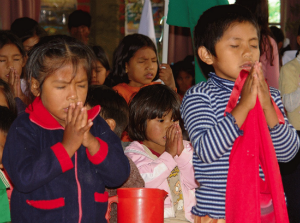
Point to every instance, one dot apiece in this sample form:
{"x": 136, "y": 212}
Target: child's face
{"x": 156, "y": 131}
{"x": 62, "y": 88}
{"x": 142, "y": 67}
{"x": 238, "y": 49}
{"x": 99, "y": 74}
{"x": 2, "y": 143}
{"x": 184, "y": 81}
{"x": 10, "y": 57}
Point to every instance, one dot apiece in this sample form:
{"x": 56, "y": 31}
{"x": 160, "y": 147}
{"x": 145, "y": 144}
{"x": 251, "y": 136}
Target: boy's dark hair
{"x": 113, "y": 106}
{"x": 6, "y": 119}
{"x": 52, "y": 53}
{"x": 149, "y": 103}
{"x": 126, "y": 49}
{"x": 9, "y": 96}
{"x": 26, "y": 28}
{"x": 7, "y": 37}
{"x": 101, "y": 56}
{"x": 277, "y": 33}
{"x": 79, "y": 18}
{"x": 214, "y": 22}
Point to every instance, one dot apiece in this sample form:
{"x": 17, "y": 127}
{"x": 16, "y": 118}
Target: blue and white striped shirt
{"x": 212, "y": 135}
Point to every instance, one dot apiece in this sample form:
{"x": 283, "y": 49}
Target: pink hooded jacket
{"x": 155, "y": 172}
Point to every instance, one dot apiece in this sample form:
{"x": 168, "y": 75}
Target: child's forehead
{"x": 236, "y": 29}
{"x": 11, "y": 49}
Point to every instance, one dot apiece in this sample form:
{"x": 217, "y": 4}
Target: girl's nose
{"x": 73, "y": 94}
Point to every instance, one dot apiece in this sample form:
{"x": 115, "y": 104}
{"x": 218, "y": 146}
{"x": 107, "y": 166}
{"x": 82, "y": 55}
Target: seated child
{"x": 163, "y": 158}
{"x": 115, "y": 111}
{"x": 6, "y": 119}
{"x": 102, "y": 69}
{"x": 136, "y": 65}
{"x": 227, "y": 38}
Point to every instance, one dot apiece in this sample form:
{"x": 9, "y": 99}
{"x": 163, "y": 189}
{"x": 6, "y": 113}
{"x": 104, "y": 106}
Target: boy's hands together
{"x": 174, "y": 140}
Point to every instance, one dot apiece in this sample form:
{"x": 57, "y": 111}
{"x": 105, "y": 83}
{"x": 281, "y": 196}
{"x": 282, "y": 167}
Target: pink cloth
{"x": 246, "y": 191}
{"x": 271, "y": 72}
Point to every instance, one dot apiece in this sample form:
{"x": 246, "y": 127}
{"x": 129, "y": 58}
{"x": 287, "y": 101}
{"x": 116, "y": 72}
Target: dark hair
{"x": 260, "y": 10}
{"x": 101, "y": 56}
{"x": 79, "y": 18}
{"x": 7, "y": 37}
{"x": 52, "y": 53}
{"x": 212, "y": 25}
{"x": 9, "y": 96}
{"x": 6, "y": 119}
{"x": 26, "y": 28}
{"x": 126, "y": 49}
{"x": 113, "y": 106}
{"x": 277, "y": 34}
{"x": 149, "y": 103}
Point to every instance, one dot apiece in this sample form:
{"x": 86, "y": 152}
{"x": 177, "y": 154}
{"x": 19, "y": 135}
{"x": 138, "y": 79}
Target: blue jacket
{"x": 48, "y": 185}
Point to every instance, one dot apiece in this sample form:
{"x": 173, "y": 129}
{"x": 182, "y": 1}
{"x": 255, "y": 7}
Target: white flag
{"x": 146, "y": 24}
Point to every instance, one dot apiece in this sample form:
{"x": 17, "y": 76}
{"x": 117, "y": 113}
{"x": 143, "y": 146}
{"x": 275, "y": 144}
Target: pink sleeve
{"x": 271, "y": 72}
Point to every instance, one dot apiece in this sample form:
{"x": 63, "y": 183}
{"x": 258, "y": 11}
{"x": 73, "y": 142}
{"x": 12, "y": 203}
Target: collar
{"x": 220, "y": 82}
{"x": 39, "y": 115}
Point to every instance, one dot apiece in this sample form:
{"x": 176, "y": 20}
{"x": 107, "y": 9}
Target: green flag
{"x": 186, "y": 13}
{"x": 4, "y": 205}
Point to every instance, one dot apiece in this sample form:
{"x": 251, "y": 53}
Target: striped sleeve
{"x": 211, "y": 136}
{"x": 284, "y": 136}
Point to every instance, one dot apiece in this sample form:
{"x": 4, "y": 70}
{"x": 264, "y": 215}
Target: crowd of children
{"x": 61, "y": 148}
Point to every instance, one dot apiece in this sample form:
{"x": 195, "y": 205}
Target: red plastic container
{"x": 139, "y": 205}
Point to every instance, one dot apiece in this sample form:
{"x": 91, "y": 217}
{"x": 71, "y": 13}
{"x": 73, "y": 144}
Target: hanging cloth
{"x": 248, "y": 198}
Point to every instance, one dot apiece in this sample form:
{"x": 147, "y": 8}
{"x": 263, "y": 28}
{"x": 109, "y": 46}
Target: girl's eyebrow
{"x": 12, "y": 55}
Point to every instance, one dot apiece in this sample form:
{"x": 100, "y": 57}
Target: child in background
{"x": 227, "y": 38}
{"x": 102, "y": 66}
{"x": 135, "y": 65}
{"x": 28, "y": 30}
{"x": 58, "y": 155}
{"x": 115, "y": 111}
{"x": 7, "y": 97}
{"x": 12, "y": 61}
{"x": 184, "y": 75}
{"x": 163, "y": 158}
{"x": 6, "y": 119}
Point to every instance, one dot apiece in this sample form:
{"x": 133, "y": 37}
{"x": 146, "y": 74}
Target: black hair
{"x": 26, "y": 28}
{"x": 9, "y": 96}
{"x": 124, "y": 52}
{"x": 6, "y": 119}
{"x": 7, "y": 37}
{"x": 79, "y": 18}
{"x": 52, "y": 53}
{"x": 101, "y": 56}
{"x": 149, "y": 103}
{"x": 260, "y": 10}
{"x": 113, "y": 106}
{"x": 212, "y": 25}
{"x": 277, "y": 34}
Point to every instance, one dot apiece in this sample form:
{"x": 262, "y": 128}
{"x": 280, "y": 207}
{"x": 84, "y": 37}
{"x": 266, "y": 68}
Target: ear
{"x": 35, "y": 87}
{"x": 107, "y": 73}
{"x": 126, "y": 67}
{"x": 298, "y": 40}
{"x": 111, "y": 123}
{"x": 205, "y": 55}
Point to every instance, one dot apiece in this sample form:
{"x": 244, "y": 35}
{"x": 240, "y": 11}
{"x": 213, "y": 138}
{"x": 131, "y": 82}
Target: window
{"x": 274, "y": 13}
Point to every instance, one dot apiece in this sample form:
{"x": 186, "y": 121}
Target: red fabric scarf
{"x": 245, "y": 189}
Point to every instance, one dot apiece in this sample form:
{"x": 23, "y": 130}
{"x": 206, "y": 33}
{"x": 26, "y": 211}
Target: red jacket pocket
{"x": 47, "y": 204}
{"x": 101, "y": 197}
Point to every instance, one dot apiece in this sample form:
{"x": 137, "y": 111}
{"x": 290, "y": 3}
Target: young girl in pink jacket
{"x": 163, "y": 158}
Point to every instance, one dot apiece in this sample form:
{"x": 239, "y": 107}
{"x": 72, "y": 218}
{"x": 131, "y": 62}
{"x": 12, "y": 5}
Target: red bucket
{"x": 138, "y": 205}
